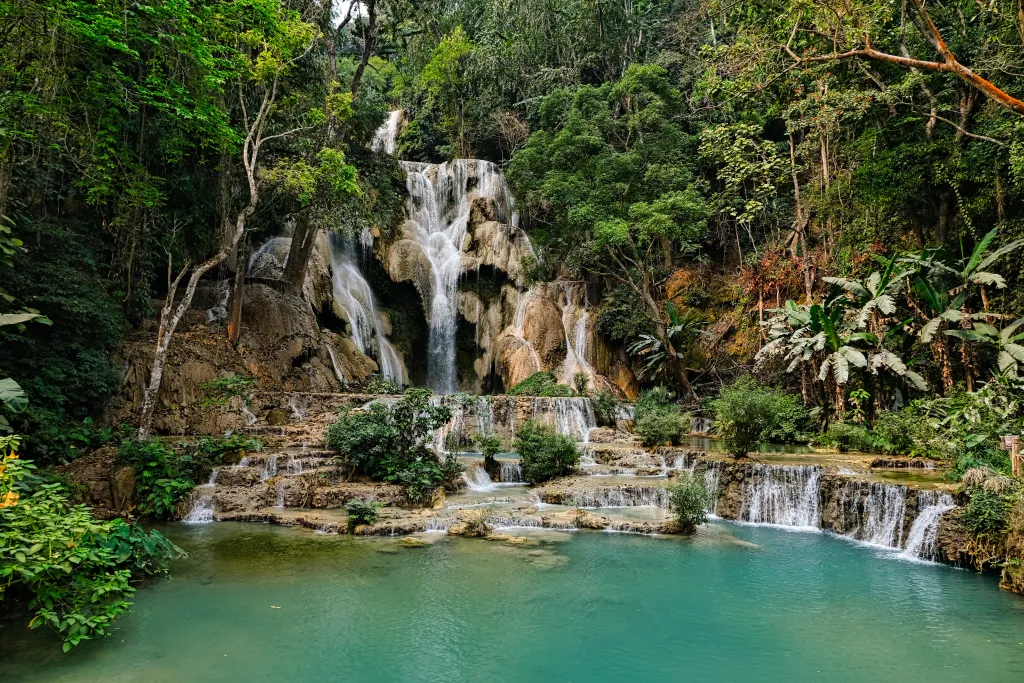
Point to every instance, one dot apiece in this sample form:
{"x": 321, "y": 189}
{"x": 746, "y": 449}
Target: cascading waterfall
{"x": 712, "y": 475}
{"x": 202, "y": 503}
{"x": 575, "y": 322}
{"x": 783, "y": 495}
{"x": 573, "y": 416}
{"x": 440, "y": 199}
{"x": 353, "y": 295}
{"x": 266, "y": 257}
{"x": 922, "y": 539}
{"x": 511, "y": 473}
{"x": 880, "y": 515}
{"x": 269, "y": 468}
{"x": 385, "y": 139}
{"x": 519, "y": 325}
{"x": 477, "y": 479}
{"x": 630, "y": 495}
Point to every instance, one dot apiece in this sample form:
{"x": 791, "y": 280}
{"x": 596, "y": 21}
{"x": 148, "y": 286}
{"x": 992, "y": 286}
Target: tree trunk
{"x": 967, "y": 352}
{"x": 298, "y": 254}
{"x": 171, "y": 316}
{"x": 237, "y": 297}
{"x": 941, "y": 350}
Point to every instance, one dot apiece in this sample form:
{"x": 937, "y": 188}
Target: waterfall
{"x": 574, "y": 417}
{"x": 440, "y": 199}
{"x": 265, "y": 258}
{"x": 279, "y": 502}
{"x": 269, "y": 468}
{"x": 881, "y": 515}
{"x": 334, "y": 365}
{"x": 202, "y": 503}
{"x": 385, "y": 139}
{"x": 575, "y": 321}
{"x": 783, "y": 495}
{"x": 922, "y": 540}
{"x": 712, "y": 474}
{"x": 250, "y": 419}
{"x": 511, "y": 473}
{"x": 219, "y": 311}
{"x": 352, "y": 294}
{"x": 630, "y": 495}
{"x": 477, "y": 479}
{"x": 519, "y": 325}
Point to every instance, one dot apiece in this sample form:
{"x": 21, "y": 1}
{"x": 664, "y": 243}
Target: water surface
{"x": 737, "y": 603}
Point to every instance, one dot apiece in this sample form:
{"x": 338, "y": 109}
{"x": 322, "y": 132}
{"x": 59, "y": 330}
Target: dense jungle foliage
{"x": 827, "y": 196}
{"x": 802, "y": 218}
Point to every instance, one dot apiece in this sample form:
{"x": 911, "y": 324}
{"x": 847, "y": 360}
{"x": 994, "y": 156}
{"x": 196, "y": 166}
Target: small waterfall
{"x": 574, "y": 417}
{"x": 575, "y": 325}
{"x": 630, "y": 495}
{"x": 712, "y": 474}
{"x": 385, "y": 139}
{"x": 267, "y": 261}
{"x": 352, "y": 294}
{"x": 298, "y": 414}
{"x": 250, "y": 419}
{"x": 440, "y": 199}
{"x": 884, "y": 509}
{"x": 269, "y": 468}
{"x": 518, "y": 328}
{"x": 219, "y": 311}
{"x": 484, "y": 416}
{"x": 783, "y": 495}
{"x": 700, "y": 425}
{"x": 477, "y": 479}
{"x": 202, "y": 503}
{"x": 511, "y": 473}
{"x": 279, "y": 502}
{"x": 334, "y": 364}
{"x": 922, "y": 540}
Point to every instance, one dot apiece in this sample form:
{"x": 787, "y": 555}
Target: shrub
{"x": 72, "y": 570}
{"x": 381, "y": 384}
{"x": 361, "y": 512}
{"x": 159, "y": 483}
{"x": 164, "y": 476}
{"x": 451, "y": 471}
{"x": 581, "y": 382}
{"x": 544, "y": 453}
{"x": 986, "y": 511}
{"x": 658, "y": 420}
{"x": 689, "y": 500}
{"x": 847, "y": 436}
{"x": 747, "y": 413}
{"x": 221, "y": 390}
{"x": 606, "y": 408}
{"x": 490, "y": 446}
{"x": 540, "y": 384}
{"x": 389, "y": 443}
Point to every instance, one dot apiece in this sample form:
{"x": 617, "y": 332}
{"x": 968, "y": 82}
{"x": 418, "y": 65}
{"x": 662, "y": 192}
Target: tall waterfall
{"x": 353, "y": 295}
{"x": 440, "y": 199}
{"x": 784, "y": 495}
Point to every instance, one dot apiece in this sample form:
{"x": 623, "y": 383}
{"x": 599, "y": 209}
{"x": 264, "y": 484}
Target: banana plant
{"x": 1007, "y": 341}
{"x": 975, "y": 269}
{"x": 877, "y": 293}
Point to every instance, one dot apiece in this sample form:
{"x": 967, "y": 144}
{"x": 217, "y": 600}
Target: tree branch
{"x": 949, "y": 63}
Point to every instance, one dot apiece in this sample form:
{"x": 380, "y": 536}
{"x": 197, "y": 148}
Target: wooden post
{"x": 1012, "y": 444}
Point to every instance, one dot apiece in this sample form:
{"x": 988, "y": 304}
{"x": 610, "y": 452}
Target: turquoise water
{"x": 263, "y": 603}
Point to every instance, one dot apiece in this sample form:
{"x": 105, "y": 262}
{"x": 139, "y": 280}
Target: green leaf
{"x": 12, "y": 395}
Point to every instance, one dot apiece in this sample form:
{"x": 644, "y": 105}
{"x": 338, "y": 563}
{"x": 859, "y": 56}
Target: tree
{"x": 274, "y": 41}
{"x": 608, "y": 188}
{"x": 849, "y": 30}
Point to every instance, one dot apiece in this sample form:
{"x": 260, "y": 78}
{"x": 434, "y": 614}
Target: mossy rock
{"x": 278, "y": 417}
